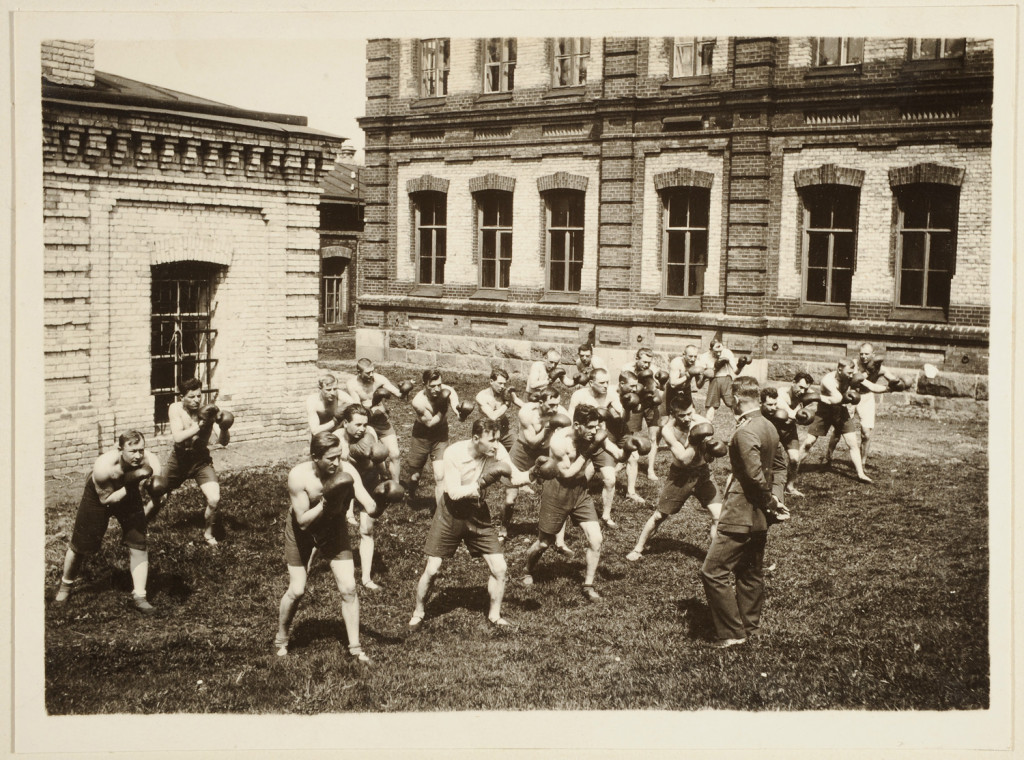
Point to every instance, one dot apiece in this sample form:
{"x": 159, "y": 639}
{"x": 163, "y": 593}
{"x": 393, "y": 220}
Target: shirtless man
{"x": 877, "y": 379}
{"x": 837, "y": 409}
{"x": 683, "y": 372}
{"x": 719, "y": 366}
{"x": 606, "y": 402}
{"x": 544, "y": 373}
{"x": 686, "y": 435}
{"x": 324, "y": 407}
{"x": 319, "y": 491}
{"x": 574, "y": 450}
{"x": 469, "y": 468}
{"x": 537, "y": 421}
{"x": 193, "y": 426}
{"x": 790, "y": 398}
{"x": 652, "y": 409}
{"x": 115, "y": 488}
{"x": 370, "y": 388}
{"x": 430, "y": 430}
{"x": 585, "y": 362}
{"x": 496, "y": 401}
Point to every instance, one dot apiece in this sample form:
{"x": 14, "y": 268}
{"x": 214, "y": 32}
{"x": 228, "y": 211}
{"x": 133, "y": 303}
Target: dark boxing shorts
{"x": 682, "y": 483}
{"x": 184, "y": 463}
{"x": 93, "y": 518}
{"x": 422, "y": 449}
{"x": 466, "y": 520}
{"x": 828, "y": 416}
{"x": 719, "y": 391}
{"x": 329, "y": 533}
{"x": 560, "y": 498}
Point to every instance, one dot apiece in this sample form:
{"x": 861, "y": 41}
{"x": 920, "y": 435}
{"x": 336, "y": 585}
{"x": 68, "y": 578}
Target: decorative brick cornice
{"x": 829, "y": 174}
{"x": 933, "y": 173}
{"x": 562, "y": 181}
{"x": 427, "y": 182}
{"x": 492, "y": 182}
{"x": 683, "y": 177}
{"x": 211, "y": 248}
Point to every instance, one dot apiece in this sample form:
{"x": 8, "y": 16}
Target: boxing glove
{"x": 379, "y": 395}
{"x": 136, "y": 476}
{"x": 897, "y": 385}
{"x": 811, "y": 395}
{"x": 559, "y": 420}
{"x": 715, "y": 449}
{"x": 851, "y": 397}
{"x": 556, "y": 374}
{"x": 378, "y": 452}
{"x": 545, "y": 468}
{"x": 651, "y": 398}
{"x": 389, "y": 491}
{"x": 465, "y": 409}
{"x": 700, "y": 432}
{"x": 493, "y": 472}
{"x": 337, "y": 491}
{"x": 742, "y": 362}
{"x": 661, "y": 377}
{"x": 405, "y": 387}
{"x": 632, "y": 402}
{"x": 208, "y": 413}
{"x": 579, "y": 379}
{"x": 225, "y": 420}
{"x": 378, "y": 418}
{"x": 803, "y": 417}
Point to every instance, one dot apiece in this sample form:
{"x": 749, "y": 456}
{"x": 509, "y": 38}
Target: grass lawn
{"x": 879, "y": 600}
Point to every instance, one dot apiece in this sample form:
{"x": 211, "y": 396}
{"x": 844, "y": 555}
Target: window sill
{"x": 681, "y": 123}
{"x": 831, "y": 310}
{"x": 489, "y": 294}
{"x": 917, "y": 314}
{"x": 335, "y": 327}
{"x": 824, "y": 72}
{"x": 429, "y": 102}
{"x": 679, "y": 303}
{"x": 427, "y": 291}
{"x": 933, "y": 64}
{"x": 694, "y": 81}
{"x": 566, "y": 92}
{"x": 493, "y": 97}
{"x": 553, "y": 296}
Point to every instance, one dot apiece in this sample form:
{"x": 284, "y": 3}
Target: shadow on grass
{"x": 309, "y": 631}
{"x": 696, "y": 617}
{"x": 659, "y": 546}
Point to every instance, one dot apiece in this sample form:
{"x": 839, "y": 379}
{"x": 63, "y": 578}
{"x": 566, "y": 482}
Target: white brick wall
{"x": 528, "y": 218}
{"x": 872, "y": 280}
{"x": 651, "y": 278}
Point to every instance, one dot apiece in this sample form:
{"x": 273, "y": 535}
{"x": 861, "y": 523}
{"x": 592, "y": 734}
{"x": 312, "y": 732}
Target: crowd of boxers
{"x": 521, "y": 440}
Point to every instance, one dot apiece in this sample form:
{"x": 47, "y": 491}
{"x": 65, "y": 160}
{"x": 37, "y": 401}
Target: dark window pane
{"x": 677, "y": 209}
{"x": 955, "y": 48}
{"x": 674, "y": 285}
{"x": 557, "y": 248}
{"x": 943, "y": 208}
{"x": 938, "y": 289}
{"x": 510, "y": 73}
{"x": 828, "y": 51}
{"x": 440, "y": 208}
{"x": 842, "y": 280}
{"x": 494, "y": 49}
{"x": 506, "y": 246}
{"x": 700, "y": 207}
{"x": 426, "y": 243}
{"x": 940, "y": 253}
{"x": 915, "y": 210}
{"x": 557, "y": 275}
{"x": 817, "y": 249}
{"x": 575, "y": 275}
{"x": 505, "y": 268}
{"x": 439, "y": 270}
{"x": 930, "y": 47}
{"x": 816, "y": 285}
{"x": 487, "y": 273}
{"x": 911, "y": 286}
{"x": 511, "y": 49}
{"x": 426, "y": 269}
{"x": 855, "y": 50}
{"x": 576, "y": 210}
{"x": 676, "y": 248}
{"x": 576, "y": 247}
{"x": 696, "y": 281}
{"x": 842, "y": 250}
{"x": 505, "y": 209}
{"x": 845, "y": 209}
{"x": 913, "y": 250}
{"x": 698, "y": 247}
{"x": 819, "y": 208}
{"x": 489, "y": 206}
{"x": 440, "y": 240}
{"x": 491, "y": 81}
{"x": 559, "y": 212}
{"x": 487, "y": 247}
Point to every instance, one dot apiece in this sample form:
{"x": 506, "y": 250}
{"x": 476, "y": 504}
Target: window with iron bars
{"x": 181, "y": 336}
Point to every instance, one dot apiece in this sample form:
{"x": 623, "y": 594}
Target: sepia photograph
{"x": 620, "y": 386}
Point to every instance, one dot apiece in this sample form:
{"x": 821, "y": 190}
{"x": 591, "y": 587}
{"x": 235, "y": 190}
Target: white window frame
{"x": 929, "y": 232}
{"x": 435, "y": 61}
{"x": 572, "y": 236}
{"x": 437, "y": 232}
{"x": 699, "y": 48}
{"x": 575, "y": 59}
{"x": 503, "y": 68}
{"x": 692, "y": 195}
{"x": 942, "y": 51}
{"x": 845, "y": 44}
{"x": 832, "y": 232}
{"x": 502, "y": 233}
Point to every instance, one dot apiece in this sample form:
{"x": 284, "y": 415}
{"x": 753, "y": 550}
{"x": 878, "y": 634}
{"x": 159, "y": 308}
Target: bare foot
{"x": 635, "y": 497}
{"x": 864, "y": 478}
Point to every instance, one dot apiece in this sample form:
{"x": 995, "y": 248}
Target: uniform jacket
{"x": 758, "y": 471}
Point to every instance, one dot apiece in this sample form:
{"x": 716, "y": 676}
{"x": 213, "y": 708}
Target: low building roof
{"x": 344, "y": 183}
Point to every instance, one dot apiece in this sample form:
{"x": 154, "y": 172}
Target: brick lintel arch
{"x": 427, "y": 182}
{"x": 492, "y": 182}
{"x": 682, "y": 177}
{"x": 829, "y": 174}
{"x": 190, "y": 247}
{"x": 562, "y": 181}
{"x": 931, "y": 173}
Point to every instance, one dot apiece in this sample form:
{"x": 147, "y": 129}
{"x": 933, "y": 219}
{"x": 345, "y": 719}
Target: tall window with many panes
{"x": 499, "y": 64}
{"x": 494, "y": 238}
{"x": 685, "y": 240}
{"x": 565, "y": 240}
{"x": 430, "y": 209}
{"x": 435, "y": 58}
{"x": 570, "y": 64}
{"x": 829, "y": 242}
{"x": 926, "y": 226}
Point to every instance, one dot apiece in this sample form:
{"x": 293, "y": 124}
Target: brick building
{"x": 181, "y": 238}
{"x": 801, "y": 195}
{"x": 341, "y": 232}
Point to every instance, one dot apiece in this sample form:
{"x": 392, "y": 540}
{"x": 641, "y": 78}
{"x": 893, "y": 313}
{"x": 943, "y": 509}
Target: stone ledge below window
{"x": 490, "y": 294}
{"x": 674, "y": 82}
{"x": 556, "y": 296}
{"x": 565, "y": 92}
{"x": 493, "y": 97}
{"x": 833, "y": 310}
{"x": 848, "y": 70}
{"x": 918, "y": 314}
{"x": 429, "y": 102}
{"x": 427, "y": 291}
{"x": 679, "y": 303}
{"x": 933, "y": 64}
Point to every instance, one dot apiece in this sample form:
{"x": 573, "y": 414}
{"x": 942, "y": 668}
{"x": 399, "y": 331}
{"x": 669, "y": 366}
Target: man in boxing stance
{"x": 683, "y": 371}
{"x": 651, "y": 379}
{"x": 837, "y": 409}
{"x": 794, "y": 400}
{"x": 876, "y": 379}
{"x": 752, "y": 501}
{"x": 323, "y": 409}
{"x": 574, "y": 450}
{"x": 544, "y": 373}
{"x": 470, "y": 467}
{"x": 537, "y": 421}
{"x": 430, "y": 430}
{"x": 719, "y": 367}
{"x": 606, "y": 401}
{"x": 193, "y": 426}
{"x": 496, "y": 401}
{"x": 631, "y": 423}
{"x": 585, "y": 362}
{"x": 689, "y": 440}
{"x": 319, "y": 491}
{"x": 119, "y": 486}
{"x": 370, "y": 388}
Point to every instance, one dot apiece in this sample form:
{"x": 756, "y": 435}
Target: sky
{"x": 323, "y": 80}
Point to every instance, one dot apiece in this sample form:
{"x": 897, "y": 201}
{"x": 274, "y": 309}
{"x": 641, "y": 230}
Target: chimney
{"x": 69, "y": 63}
